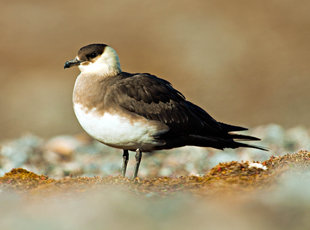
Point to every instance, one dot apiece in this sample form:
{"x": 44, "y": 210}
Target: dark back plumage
{"x": 155, "y": 99}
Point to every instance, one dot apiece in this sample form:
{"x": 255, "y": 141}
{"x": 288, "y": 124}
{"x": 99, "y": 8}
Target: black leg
{"x": 138, "y": 160}
{"x": 125, "y": 161}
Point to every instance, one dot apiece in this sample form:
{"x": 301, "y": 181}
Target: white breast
{"x": 118, "y": 131}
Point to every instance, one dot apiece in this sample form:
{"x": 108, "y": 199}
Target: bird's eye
{"x": 92, "y": 55}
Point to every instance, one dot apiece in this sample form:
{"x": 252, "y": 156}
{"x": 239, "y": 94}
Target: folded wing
{"x": 155, "y": 99}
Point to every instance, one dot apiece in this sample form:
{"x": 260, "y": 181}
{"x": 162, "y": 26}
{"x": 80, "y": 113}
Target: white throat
{"x": 107, "y": 64}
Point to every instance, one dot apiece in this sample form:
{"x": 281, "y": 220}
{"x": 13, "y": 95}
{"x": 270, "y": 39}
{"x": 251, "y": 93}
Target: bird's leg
{"x": 138, "y": 160}
{"x": 125, "y": 161}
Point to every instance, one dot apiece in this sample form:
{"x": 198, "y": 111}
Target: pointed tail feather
{"x": 231, "y": 128}
{"x": 234, "y": 144}
{"x": 224, "y": 142}
{"x": 239, "y": 144}
{"x": 243, "y": 137}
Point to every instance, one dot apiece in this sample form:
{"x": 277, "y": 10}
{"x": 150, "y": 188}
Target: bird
{"x": 139, "y": 111}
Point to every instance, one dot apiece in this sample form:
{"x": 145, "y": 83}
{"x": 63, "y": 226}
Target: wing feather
{"x": 155, "y": 99}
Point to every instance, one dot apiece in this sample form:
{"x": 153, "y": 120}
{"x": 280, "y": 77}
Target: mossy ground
{"x": 230, "y": 178}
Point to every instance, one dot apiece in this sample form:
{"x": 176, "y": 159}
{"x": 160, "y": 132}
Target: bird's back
{"x": 153, "y": 98}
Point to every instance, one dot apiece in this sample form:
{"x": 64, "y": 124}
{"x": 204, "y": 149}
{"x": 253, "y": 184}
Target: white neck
{"x": 107, "y": 64}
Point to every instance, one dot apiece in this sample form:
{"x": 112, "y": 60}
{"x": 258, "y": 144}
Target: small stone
{"x": 257, "y": 165}
{"x": 63, "y": 145}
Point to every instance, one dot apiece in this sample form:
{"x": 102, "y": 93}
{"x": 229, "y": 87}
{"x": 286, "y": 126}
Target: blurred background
{"x": 245, "y": 62}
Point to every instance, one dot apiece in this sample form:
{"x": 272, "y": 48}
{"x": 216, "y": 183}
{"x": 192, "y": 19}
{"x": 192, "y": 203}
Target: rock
{"x": 63, "y": 145}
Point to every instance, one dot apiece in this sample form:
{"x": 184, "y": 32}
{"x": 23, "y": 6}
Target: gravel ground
{"x": 81, "y": 156}
{"x": 272, "y": 194}
{"x": 269, "y": 195}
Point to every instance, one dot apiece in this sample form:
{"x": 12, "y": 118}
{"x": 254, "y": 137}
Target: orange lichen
{"x": 23, "y": 180}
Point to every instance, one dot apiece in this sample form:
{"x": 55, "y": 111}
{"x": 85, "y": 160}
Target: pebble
{"x": 63, "y": 145}
{"x": 257, "y": 165}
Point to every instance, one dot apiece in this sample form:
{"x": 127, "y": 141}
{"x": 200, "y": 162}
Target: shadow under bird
{"x": 139, "y": 111}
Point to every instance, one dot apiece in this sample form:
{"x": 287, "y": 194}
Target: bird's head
{"x": 96, "y": 59}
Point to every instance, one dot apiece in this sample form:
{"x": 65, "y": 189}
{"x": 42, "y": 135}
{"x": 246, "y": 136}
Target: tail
{"x": 226, "y": 140}
{"x": 234, "y": 144}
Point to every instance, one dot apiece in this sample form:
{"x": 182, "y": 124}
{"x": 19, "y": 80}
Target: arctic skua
{"x": 139, "y": 111}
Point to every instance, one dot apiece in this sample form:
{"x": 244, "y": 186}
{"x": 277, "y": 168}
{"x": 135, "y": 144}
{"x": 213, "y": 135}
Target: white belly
{"x": 117, "y": 131}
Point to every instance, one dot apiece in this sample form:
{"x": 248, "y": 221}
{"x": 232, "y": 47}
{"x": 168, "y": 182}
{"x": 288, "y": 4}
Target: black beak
{"x": 72, "y": 62}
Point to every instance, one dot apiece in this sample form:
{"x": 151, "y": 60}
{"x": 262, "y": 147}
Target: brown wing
{"x": 155, "y": 99}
